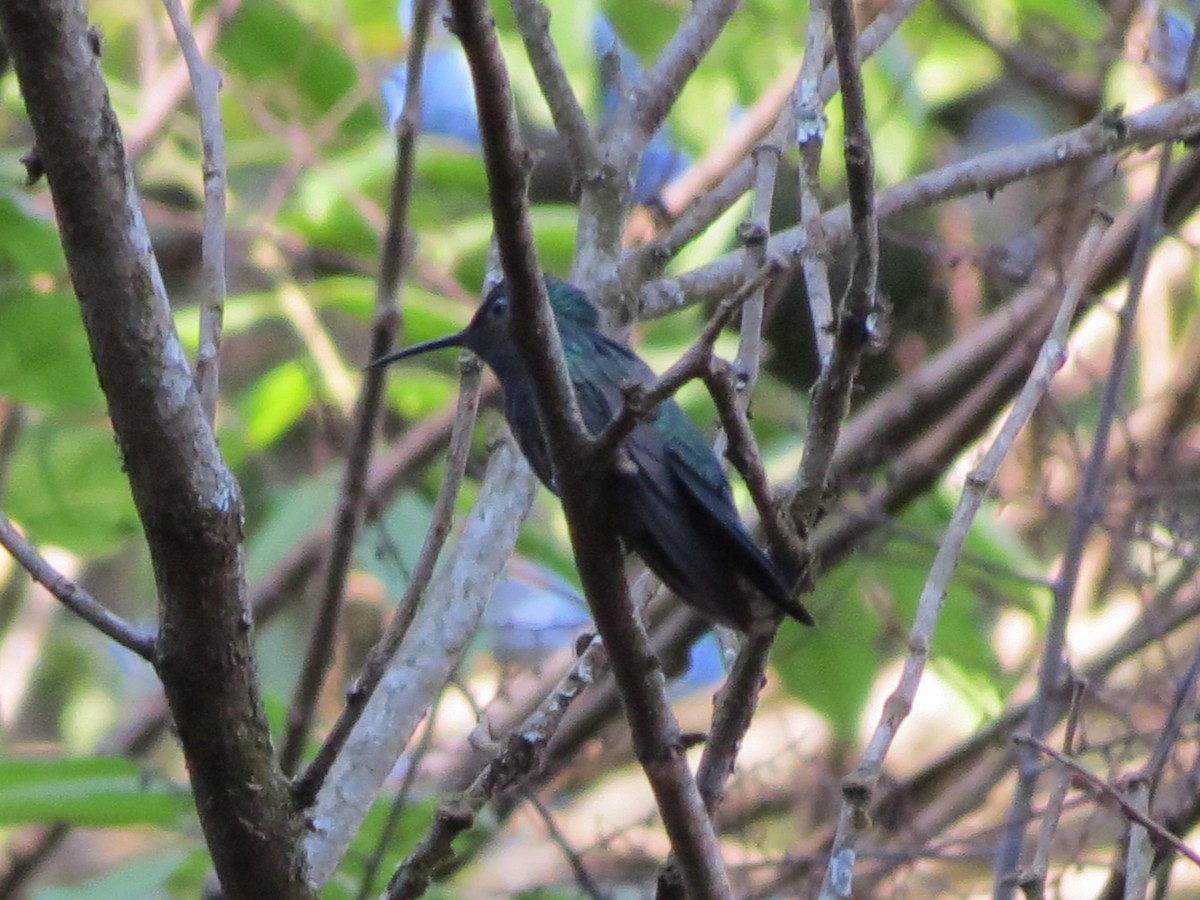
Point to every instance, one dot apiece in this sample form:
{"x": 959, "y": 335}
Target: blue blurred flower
{"x": 448, "y": 97}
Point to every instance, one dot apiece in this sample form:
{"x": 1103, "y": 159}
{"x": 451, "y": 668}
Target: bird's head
{"x": 489, "y": 334}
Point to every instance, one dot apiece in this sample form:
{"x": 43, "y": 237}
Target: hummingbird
{"x": 672, "y": 503}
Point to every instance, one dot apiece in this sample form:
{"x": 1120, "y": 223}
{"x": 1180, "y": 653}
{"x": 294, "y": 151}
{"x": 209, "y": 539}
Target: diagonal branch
{"x": 383, "y": 328}
{"x": 1098, "y": 784}
{"x": 533, "y": 22}
{"x": 305, "y": 787}
{"x": 72, "y": 596}
{"x": 655, "y": 732}
{"x": 657, "y": 91}
{"x": 1166, "y": 121}
{"x": 859, "y": 786}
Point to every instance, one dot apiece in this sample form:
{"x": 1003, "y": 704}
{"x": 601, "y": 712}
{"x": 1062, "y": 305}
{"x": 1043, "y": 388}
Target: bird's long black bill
{"x": 451, "y": 340}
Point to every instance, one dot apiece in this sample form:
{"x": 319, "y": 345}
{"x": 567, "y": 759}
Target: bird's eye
{"x": 499, "y": 307}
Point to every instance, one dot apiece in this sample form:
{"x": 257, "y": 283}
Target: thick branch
{"x": 189, "y": 503}
{"x": 433, "y": 649}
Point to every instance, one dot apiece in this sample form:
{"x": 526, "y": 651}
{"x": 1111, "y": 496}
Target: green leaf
{"x": 275, "y": 402}
{"x": 813, "y": 663}
{"x": 303, "y": 69}
{"x": 409, "y": 827}
{"x": 94, "y": 791}
{"x": 294, "y": 511}
{"x": 644, "y": 27}
{"x": 66, "y": 486}
{"x": 45, "y": 359}
{"x": 147, "y": 877}
{"x": 320, "y": 207}
{"x": 29, "y": 244}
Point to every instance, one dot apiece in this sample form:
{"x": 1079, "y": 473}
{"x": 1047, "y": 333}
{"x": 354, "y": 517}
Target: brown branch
{"x": 988, "y": 172}
{"x": 188, "y": 502}
{"x": 521, "y": 754}
{"x": 533, "y": 23}
{"x": 655, "y": 732}
{"x": 383, "y": 329}
{"x": 738, "y": 699}
{"x": 72, "y": 596}
{"x": 742, "y": 451}
{"x": 641, "y": 400}
{"x": 1103, "y": 787}
{"x": 851, "y": 326}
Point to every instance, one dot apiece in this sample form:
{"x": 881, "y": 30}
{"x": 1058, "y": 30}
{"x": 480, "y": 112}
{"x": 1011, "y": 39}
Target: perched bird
{"x": 672, "y": 503}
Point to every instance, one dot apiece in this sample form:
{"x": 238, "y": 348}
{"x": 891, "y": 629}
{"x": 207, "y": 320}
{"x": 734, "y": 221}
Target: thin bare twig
{"x": 1099, "y": 784}
{"x": 383, "y": 329}
{"x": 305, "y": 788}
{"x": 731, "y": 393}
{"x": 1034, "y": 882}
{"x": 415, "y": 449}
{"x": 1181, "y": 702}
{"x": 640, "y": 400}
{"x": 859, "y": 786}
{"x": 72, "y": 596}
{"x": 742, "y": 451}
{"x": 583, "y": 878}
{"x": 1008, "y": 850}
{"x": 160, "y": 100}
{"x": 206, "y": 85}
{"x": 704, "y": 210}
{"x": 521, "y": 754}
{"x": 987, "y": 172}
{"x": 1139, "y": 855}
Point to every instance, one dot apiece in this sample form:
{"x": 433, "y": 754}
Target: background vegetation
{"x": 996, "y": 130}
